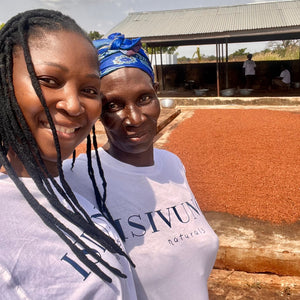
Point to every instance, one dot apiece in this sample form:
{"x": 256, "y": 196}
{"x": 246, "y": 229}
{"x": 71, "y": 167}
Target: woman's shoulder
{"x": 164, "y": 153}
{"x": 166, "y": 157}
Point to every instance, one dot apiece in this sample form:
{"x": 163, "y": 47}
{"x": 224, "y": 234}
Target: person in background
{"x": 249, "y": 68}
{"x": 284, "y": 79}
{"x": 54, "y": 243}
{"x": 148, "y": 196}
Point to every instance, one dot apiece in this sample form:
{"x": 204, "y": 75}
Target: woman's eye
{"x": 91, "y": 91}
{"x": 48, "y": 81}
{"x": 145, "y": 100}
{"x": 112, "y": 107}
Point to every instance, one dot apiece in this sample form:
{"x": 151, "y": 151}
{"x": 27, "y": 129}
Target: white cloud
{"x": 59, "y": 4}
{"x": 117, "y": 3}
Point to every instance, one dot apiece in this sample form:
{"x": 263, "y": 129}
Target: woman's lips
{"x": 136, "y": 137}
{"x": 62, "y": 129}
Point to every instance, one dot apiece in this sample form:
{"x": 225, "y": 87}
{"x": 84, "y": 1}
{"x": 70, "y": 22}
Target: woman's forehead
{"x": 126, "y": 75}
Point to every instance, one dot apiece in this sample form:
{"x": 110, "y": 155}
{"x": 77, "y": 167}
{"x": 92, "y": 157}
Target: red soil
{"x": 81, "y": 149}
{"x": 244, "y": 162}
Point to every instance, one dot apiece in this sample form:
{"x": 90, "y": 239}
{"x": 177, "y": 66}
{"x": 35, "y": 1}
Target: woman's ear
{"x": 156, "y": 86}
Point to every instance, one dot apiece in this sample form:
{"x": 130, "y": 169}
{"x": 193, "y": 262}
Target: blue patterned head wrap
{"x": 116, "y": 52}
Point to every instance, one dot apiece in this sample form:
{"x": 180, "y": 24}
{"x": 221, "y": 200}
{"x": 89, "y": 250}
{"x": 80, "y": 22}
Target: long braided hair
{"x": 16, "y": 135}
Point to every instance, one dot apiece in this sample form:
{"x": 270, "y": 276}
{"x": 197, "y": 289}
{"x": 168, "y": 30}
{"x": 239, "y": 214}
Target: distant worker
{"x": 249, "y": 66}
{"x": 284, "y": 79}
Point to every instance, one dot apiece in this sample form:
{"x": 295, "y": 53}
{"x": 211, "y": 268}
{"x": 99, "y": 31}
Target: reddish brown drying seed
{"x": 244, "y": 162}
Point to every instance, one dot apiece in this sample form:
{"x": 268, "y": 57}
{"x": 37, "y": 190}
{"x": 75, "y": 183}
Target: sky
{"x": 103, "y": 15}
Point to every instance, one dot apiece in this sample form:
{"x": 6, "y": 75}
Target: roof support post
{"x": 299, "y": 51}
{"x": 222, "y": 45}
{"x": 217, "y": 68}
{"x": 162, "y": 69}
{"x": 155, "y": 61}
{"x": 226, "y": 52}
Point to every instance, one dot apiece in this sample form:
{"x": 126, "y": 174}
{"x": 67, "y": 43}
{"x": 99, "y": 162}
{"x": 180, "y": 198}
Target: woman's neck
{"x": 20, "y": 169}
{"x": 143, "y": 159}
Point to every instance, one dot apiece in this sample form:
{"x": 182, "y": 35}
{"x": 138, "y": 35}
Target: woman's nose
{"x": 71, "y": 103}
{"x": 134, "y": 116}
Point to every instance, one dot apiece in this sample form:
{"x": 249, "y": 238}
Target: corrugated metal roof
{"x": 234, "y": 23}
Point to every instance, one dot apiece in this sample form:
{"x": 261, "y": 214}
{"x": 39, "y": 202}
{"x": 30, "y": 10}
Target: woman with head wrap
{"x": 54, "y": 243}
{"x": 148, "y": 196}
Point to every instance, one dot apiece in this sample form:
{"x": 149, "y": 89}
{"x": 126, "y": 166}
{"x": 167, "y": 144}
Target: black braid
{"x": 101, "y": 173}
{"x": 15, "y": 134}
{"x": 73, "y": 158}
{"x": 100, "y": 200}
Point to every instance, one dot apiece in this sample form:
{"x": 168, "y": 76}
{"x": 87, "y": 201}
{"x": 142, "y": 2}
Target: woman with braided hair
{"x": 148, "y": 195}
{"x": 54, "y": 243}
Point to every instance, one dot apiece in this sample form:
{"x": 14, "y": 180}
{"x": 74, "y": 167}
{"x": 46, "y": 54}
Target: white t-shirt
{"x": 166, "y": 234}
{"x": 249, "y": 66}
{"x": 286, "y": 76}
{"x": 36, "y": 264}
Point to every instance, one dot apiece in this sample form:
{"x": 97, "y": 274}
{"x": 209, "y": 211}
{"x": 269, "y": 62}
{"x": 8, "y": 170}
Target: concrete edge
{"x": 168, "y": 120}
{"x": 224, "y": 284}
{"x": 187, "y": 101}
{"x": 251, "y": 245}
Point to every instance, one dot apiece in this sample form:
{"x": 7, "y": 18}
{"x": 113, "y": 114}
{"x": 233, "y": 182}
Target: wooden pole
{"x": 217, "y": 70}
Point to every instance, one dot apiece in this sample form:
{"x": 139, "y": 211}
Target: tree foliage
{"x": 95, "y": 35}
{"x": 283, "y": 47}
{"x": 1, "y": 25}
{"x": 168, "y": 50}
{"x": 211, "y": 58}
{"x": 240, "y": 52}
{"x": 183, "y": 60}
{"x": 275, "y": 50}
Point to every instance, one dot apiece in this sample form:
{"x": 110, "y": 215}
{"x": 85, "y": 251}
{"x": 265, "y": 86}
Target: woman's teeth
{"x": 61, "y": 128}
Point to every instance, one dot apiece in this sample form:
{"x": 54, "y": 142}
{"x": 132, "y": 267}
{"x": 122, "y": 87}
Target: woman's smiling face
{"x": 67, "y": 69}
{"x": 130, "y": 112}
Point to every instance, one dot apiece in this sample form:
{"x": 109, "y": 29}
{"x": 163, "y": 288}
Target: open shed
{"x": 215, "y": 25}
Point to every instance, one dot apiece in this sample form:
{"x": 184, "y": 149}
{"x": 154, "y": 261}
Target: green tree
{"x": 183, "y": 60}
{"x": 240, "y": 52}
{"x": 152, "y": 50}
{"x": 95, "y": 35}
{"x": 266, "y": 51}
{"x": 211, "y": 58}
{"x": 283, "y": 47}
{"x": 1, "y": 25}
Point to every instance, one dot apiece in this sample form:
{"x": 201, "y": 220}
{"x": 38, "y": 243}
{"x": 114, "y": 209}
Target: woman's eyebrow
{"x": 65, "y": 69}
{"x": 53, "y": 64}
